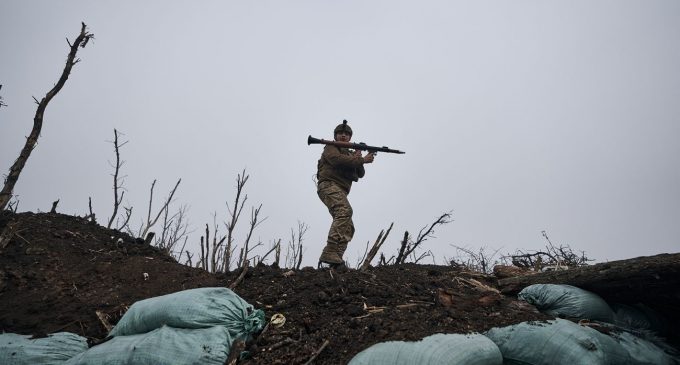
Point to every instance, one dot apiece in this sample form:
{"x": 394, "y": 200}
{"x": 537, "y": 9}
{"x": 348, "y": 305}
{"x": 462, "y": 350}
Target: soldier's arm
{"x": 334, "y": 157}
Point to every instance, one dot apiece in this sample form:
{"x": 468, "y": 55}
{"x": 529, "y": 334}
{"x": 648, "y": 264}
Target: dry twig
{"x": 240, "y": 277}
{"x": 104, "y": 319}
{"x": 318, "y": 352}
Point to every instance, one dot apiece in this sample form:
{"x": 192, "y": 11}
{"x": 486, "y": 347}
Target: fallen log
{"x": 651, "y": 275}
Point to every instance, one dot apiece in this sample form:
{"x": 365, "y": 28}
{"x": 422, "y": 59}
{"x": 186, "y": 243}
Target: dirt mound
{"x": 58, "y": 271}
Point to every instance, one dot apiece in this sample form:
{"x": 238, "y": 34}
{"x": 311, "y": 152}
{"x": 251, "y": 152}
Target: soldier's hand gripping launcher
{"x": 356, "y": 146}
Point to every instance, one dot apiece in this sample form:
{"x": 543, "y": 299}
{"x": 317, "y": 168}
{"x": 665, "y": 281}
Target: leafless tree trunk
{"x": 234, "y": 213}
{"x": 54, "y": 206}
{"x": 91, "y": 217}
{"x": 376, "y": 246}
{"x": 253, "y": 223}
{"x": 181, "y": 250}
{"x": 216, "y": 245}
{"x": 203, "y": 255}
{"x": 117, "y": 182}
{"x": 277, "y": 257}
{"x": 17, "y": 167}
{"x": 402, "y": 248}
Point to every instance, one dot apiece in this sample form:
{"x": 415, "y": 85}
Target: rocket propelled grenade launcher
{"x": 356, "y": 146}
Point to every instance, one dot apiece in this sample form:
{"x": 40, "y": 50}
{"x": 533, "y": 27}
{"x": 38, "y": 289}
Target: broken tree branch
{"x": 240, "y": 277}
{"x": 150, "y": 223}
{"x": 376, "y": 247}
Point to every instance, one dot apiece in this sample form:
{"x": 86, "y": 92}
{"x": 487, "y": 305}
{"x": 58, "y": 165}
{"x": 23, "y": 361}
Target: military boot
{"x": 328, "y": 256}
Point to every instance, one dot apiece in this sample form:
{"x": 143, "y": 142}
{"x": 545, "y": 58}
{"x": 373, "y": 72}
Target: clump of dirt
{"x": 58, "y": 271}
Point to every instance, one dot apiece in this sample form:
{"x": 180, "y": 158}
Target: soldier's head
{"x": 342, "y": 132}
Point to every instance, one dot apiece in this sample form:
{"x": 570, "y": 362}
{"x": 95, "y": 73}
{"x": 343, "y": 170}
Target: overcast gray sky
{"x": 520, "y": 116}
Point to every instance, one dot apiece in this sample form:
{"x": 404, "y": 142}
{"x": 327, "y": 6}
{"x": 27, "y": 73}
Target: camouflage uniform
{"x": 337, "y": 169}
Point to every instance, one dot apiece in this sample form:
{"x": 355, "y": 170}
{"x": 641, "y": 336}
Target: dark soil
{"x": 56, "y": 271}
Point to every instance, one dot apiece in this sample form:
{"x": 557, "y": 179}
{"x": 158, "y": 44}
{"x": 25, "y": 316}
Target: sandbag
{"x": 567, "y": 301}
{"x": 638, "y": 317}
{"x": 453, "y": 349}
{"x": 54, "y": 349}
{"x": 165, "y": 345}
{"x": 194, "y": 308}
{"x": 646, "y": 352}
{"x": 561, "y": 341}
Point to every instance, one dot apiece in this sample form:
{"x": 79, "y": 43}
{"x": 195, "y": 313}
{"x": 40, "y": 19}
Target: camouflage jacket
{"x": 340, "y": 166}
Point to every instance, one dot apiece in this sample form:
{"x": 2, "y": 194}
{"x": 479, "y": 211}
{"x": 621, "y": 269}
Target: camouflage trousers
{"x": 342, "y": 228}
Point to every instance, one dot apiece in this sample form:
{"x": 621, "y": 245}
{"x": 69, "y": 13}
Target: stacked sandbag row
{"x": 555, "y": 342}
{"x": 568, "y": 301}
{"x": 620, "y": 334}
{"x": 54, "y": 349}
{"x": 195, "y": 326}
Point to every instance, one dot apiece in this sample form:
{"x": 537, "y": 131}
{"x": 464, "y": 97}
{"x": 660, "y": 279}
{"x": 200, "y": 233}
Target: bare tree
{"x": 117, "y": 181}
{"x": 408, "y": 246}
{"x": 214, "y": 256}
{"x": 17, "y": 167}
{"x": 234, "y": 213}
{"x": 91, "y": 217}
{"x": 210, "y": 255}
{"x": 294, "y": 251}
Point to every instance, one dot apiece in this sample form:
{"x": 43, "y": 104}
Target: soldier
{"x": 337, "y": 169}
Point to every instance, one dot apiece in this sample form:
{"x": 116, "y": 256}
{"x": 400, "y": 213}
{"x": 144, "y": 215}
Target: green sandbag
{"x": 54, "y": 349}
{"x": 567, "y": 301}
{"x": 562, "y": 342}
{"x": 166, "y": 345}
{"x": 638, "y": 317}
{"x": 195, "y": 308}
{"x": 644, "y": 352}
{"x": 439, "y": 349}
